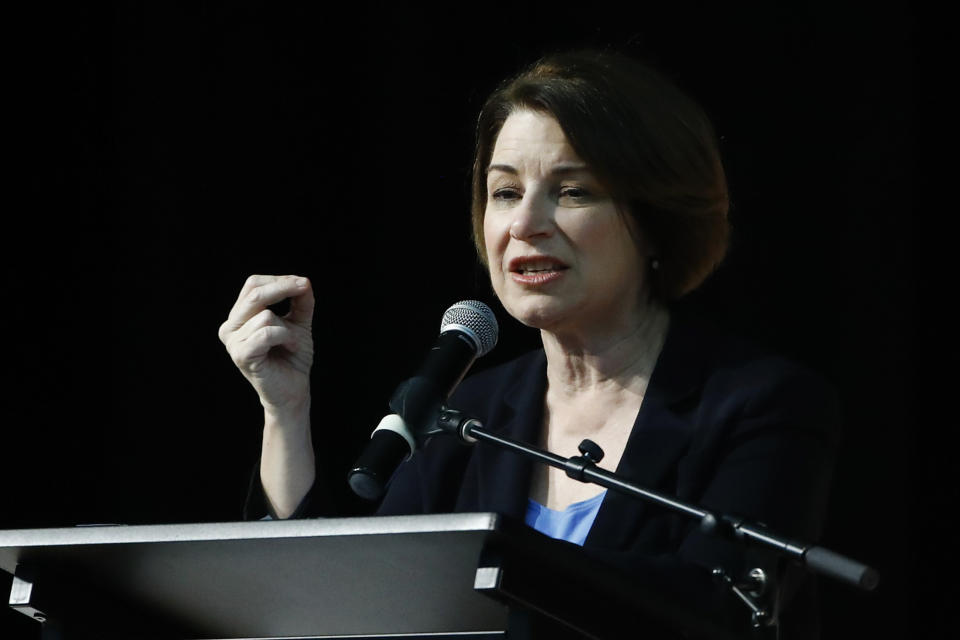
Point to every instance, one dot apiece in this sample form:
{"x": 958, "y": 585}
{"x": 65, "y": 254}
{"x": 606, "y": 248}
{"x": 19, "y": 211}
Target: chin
{"x": 537, "y": 313}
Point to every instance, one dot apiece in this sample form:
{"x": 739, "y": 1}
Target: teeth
{"x": 535, "y": 267}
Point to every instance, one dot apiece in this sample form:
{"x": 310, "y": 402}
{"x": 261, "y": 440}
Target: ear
{"x": 648, "y": 248}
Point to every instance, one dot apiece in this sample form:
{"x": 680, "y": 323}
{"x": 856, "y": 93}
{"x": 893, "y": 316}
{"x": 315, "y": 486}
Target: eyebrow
{"x": 560, "y": 169}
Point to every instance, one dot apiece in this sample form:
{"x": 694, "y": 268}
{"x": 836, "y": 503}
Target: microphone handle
{"x": 418, "y": 399}
{"x": 380, "y": 458}
{"x": 416, "y": 406}
{"x": 449, "y": 360}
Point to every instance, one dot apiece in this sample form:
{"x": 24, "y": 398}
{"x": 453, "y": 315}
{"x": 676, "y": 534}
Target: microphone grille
{"x": 477, "y": 320}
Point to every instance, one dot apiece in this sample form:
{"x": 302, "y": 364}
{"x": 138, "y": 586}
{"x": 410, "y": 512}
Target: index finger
{"x": 301, "y": 306}
{"x": 259, "y": 292}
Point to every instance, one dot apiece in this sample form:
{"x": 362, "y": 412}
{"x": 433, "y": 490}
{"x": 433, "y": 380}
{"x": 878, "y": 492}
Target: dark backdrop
{"x": 162, "y": 154}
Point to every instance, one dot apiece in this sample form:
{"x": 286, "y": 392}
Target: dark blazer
{"x": 723, "y": 425}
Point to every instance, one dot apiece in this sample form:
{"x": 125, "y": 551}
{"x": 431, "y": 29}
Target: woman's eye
{"x": 576, "y": 193}
{"x": 506, "y": 193}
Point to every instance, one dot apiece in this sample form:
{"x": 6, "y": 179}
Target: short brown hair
{"x": 645, "y": 140}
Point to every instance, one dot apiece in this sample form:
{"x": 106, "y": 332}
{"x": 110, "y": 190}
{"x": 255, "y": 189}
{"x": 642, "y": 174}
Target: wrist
{"x": 287, "y": 416}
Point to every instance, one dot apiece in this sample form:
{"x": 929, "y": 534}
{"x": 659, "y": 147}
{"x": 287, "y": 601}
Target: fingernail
{"x": 301, "y": 282}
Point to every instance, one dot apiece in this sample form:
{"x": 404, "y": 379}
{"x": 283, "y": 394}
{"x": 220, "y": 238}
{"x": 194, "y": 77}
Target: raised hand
{"x": 273, "y": 353}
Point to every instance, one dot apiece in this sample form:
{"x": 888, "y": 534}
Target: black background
{"x": 161, "y": 154}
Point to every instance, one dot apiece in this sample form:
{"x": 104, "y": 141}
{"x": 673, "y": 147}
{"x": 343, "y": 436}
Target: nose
{"x": 532, "y": 217}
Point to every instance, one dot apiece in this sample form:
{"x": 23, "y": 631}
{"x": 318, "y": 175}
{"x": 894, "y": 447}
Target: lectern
{"x": 436, "y": 576}
{"x": 366, "y": 577}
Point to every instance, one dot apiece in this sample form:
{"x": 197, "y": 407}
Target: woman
{"x": 598, "y": 199}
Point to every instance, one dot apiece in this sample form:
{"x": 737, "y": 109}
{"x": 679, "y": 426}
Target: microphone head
{"x": 474, "y": 319}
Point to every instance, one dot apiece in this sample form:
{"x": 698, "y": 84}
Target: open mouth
{"x": 536, "y": 270}
{"x": 536, "y": 265}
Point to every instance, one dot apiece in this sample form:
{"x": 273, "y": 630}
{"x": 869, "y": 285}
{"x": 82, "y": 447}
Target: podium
{"x": 436, "y": 576}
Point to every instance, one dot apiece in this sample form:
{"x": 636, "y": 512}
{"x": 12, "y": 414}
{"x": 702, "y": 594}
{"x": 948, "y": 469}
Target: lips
{"x": 536, "y": 271}
{"x": 528, "y": 265}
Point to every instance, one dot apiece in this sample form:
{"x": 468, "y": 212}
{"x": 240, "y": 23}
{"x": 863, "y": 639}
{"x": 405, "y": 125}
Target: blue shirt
{"x": 572, "y": 524}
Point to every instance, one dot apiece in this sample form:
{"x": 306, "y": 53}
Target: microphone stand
{"x": 752, "y": 589}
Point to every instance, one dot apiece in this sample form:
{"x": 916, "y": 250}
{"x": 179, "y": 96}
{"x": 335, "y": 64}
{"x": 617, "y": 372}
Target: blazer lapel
{"x": 660, "y": 437}
{"x": 504, "y": 476}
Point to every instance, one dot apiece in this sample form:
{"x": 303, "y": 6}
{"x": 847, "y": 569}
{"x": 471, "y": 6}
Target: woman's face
{"x": 560, "y": 254}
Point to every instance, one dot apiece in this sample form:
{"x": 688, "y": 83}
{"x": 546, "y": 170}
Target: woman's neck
{"x": 616, "y": 360}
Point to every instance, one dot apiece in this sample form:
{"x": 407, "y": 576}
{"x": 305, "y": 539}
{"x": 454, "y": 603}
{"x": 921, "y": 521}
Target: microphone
{"x": 468, "y": 330}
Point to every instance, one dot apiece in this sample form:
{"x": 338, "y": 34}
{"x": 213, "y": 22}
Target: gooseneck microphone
{"x": 468, "y": 330}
